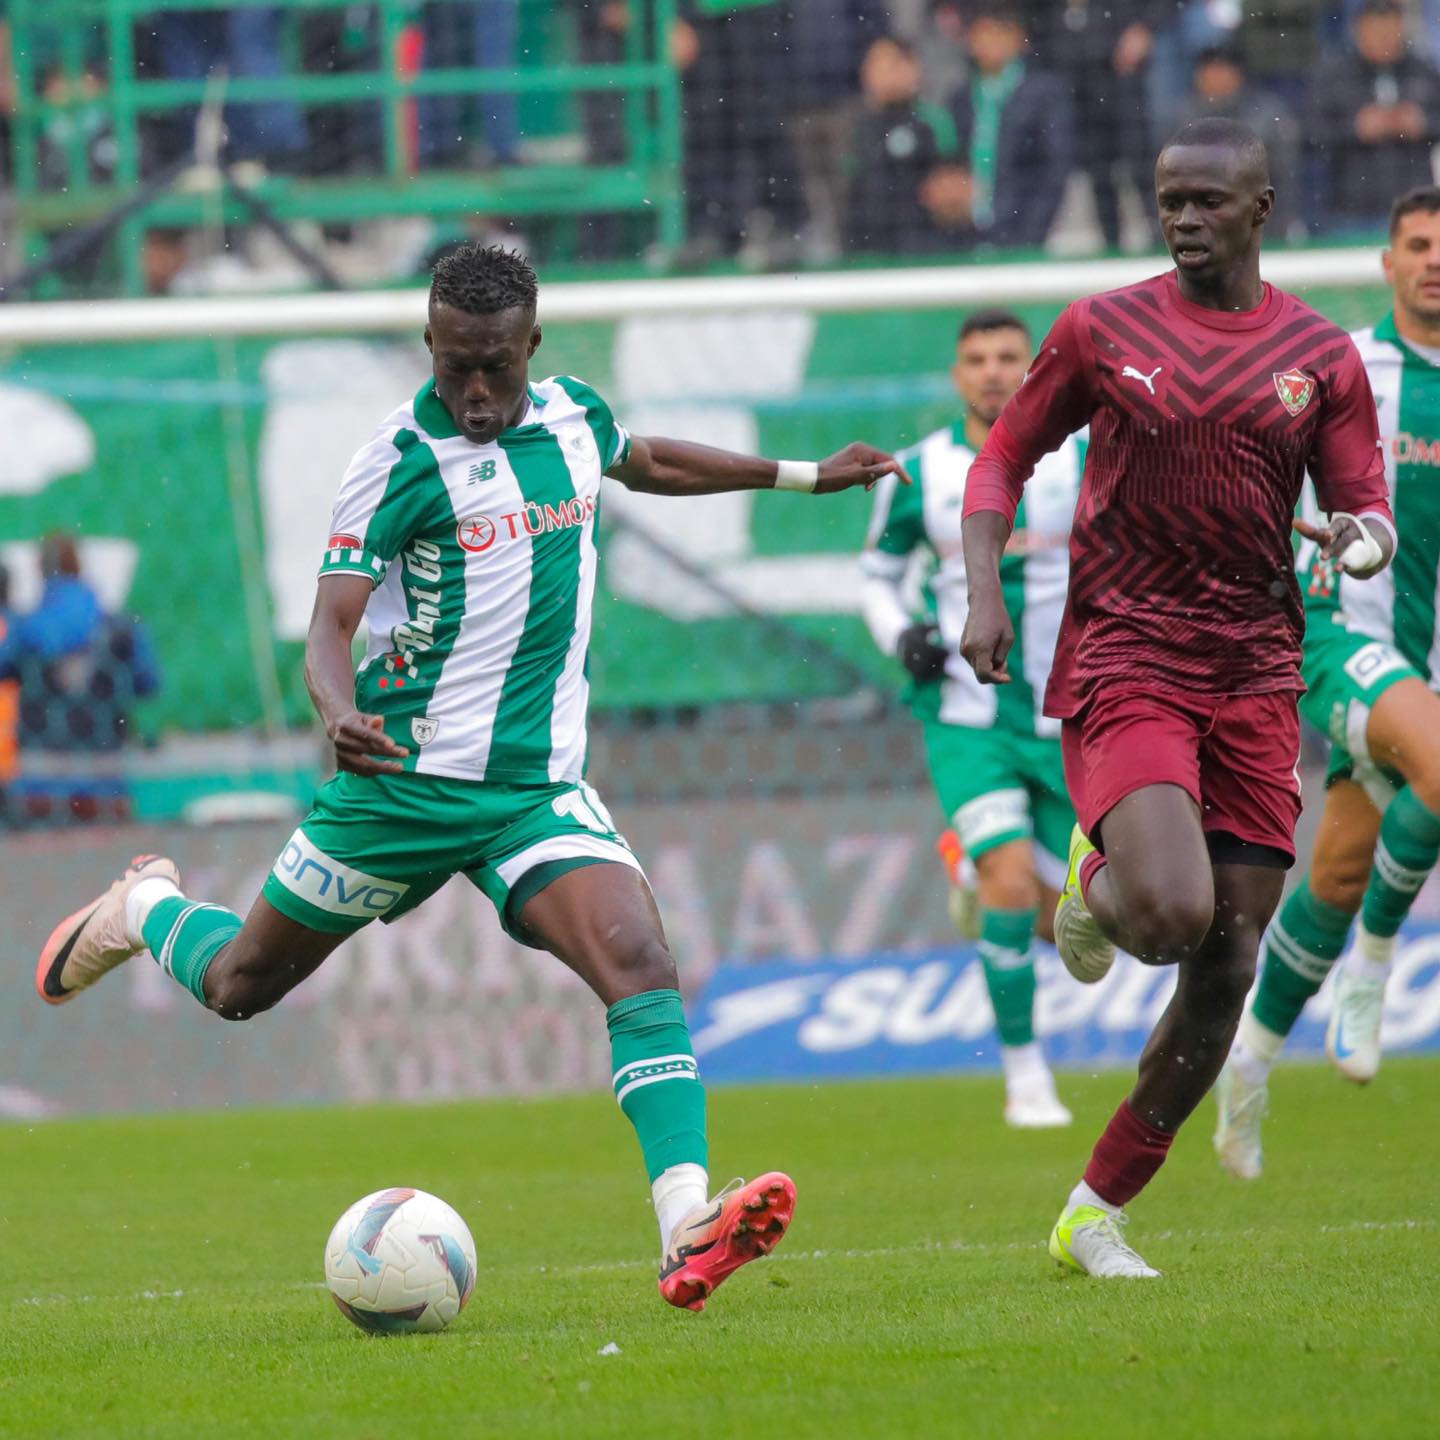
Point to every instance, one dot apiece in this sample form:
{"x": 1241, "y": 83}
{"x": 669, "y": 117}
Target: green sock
{"x": 184, "y": 936}
{"x": 1405, "y": 854}
{"x": 657, "y": 1081}
{"x": 1006, "y": 938}
{"x": 1300, "y": 947}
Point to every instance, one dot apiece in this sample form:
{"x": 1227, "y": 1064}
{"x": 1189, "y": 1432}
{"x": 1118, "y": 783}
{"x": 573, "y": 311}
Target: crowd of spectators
{"x": 815, "y": 128}
{"x": 955, "y": 124}
{"x": 71, "y": 675}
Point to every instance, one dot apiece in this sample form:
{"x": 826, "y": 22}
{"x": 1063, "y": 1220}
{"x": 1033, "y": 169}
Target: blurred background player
{"x": 1177, "y": 671}
{"x": 994, "y": 756}
{"x": 1372, "y": 664}
{"x": 461, "y": 740}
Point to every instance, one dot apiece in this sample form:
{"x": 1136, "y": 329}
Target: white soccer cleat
{"x": 1032, "y": 1104}
{"x": 1352, "y": 1038}
{"x": 1087, "y": 951}
{"x": 89, "y": 944}
{"x": 1237, "y": 1131}
{"x": 1088, "y": 1239}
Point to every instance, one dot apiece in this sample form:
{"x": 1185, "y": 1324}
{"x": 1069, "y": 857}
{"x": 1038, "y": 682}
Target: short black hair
{"x": 1422, "y": 198}
{"x": 981, "y": 322}
{"x": 1004, "y": 12}
{"x": 1222, "y": 131}
{"x": 483, "y": 280}
{"x": 904, "y": 46}
{"x": 1219, "y": 55}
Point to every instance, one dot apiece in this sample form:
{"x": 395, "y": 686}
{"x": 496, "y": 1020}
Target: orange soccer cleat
{"x": 742, "y": 1223}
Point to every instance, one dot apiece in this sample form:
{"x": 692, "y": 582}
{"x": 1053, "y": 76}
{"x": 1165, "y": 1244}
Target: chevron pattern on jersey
{"x": 1182, "y": 570}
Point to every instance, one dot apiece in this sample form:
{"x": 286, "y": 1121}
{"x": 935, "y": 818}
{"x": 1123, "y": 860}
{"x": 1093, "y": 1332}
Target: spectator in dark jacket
{"x": 1221, "y": 86}
{"x": 1373, "y": 120}
{"x": 828, "y": 40}
{"x": 1014, "y": 131}
{"x": 1102, "y": 50}
{"x": 899, "y": 142}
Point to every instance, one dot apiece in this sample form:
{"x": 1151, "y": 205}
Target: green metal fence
{"x": 77, "y": 72}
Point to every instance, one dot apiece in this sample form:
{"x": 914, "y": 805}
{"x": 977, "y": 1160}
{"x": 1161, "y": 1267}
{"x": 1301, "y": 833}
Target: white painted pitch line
{"x": 792, "y": 1257}
{"x": 986, "y": 1247}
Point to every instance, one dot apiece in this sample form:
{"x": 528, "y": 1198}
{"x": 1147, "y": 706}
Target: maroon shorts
{"x": 1234, "y": 755}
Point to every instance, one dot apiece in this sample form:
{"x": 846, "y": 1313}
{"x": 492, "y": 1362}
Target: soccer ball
{"x": 400, "y": 1260}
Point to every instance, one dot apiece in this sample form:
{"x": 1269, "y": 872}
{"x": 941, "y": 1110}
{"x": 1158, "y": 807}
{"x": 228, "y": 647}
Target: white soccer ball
{"x": 398, "y": 1261}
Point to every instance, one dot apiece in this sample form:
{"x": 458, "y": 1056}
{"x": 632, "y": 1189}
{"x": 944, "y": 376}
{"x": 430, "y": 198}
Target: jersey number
{"x": 585, "y": 806}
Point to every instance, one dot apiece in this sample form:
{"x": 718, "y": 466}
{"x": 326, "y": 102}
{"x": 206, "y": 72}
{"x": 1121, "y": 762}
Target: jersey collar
{"x": 1389, "y": 331}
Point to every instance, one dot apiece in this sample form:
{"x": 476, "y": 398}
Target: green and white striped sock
{"x": 1006, "y": 941}
{"x": 1405, "y": 854}
{"x": 656, "y": 1079}
{"x": 184, "y": 936}
{"x": 1299, "y": 949}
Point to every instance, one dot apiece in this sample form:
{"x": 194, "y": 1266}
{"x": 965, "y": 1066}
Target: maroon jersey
{"x": 1202, "y": 426}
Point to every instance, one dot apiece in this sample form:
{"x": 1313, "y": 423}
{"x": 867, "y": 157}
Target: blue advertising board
{"x": 911, "y": 1013}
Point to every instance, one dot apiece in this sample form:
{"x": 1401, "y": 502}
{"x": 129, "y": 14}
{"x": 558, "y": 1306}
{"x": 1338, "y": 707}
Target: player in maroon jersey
{"x": 1208, "y": 394}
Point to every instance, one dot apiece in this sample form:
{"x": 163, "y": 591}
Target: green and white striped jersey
{"x": 1034, "y": 574}
{"x": 1398, "y": 605}
{"x": 483, "y": 560}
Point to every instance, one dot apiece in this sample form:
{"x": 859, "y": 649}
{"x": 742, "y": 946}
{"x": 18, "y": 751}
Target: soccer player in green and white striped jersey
{"x": 1372, "y": 665}
{"x": 464, "y": 535}
{"x": 994, "y": 756}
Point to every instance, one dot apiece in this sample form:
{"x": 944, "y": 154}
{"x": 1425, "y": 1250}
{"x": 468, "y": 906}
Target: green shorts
{"x": 375, "y": 847}
{"x": 996, "y": 786}
{"x": 1345, "y": 675}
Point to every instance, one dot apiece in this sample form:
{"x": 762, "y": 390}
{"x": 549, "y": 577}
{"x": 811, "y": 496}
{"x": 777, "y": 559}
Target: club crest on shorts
{"x": 1294, "y": 388}
{"x": 422, "y": 730}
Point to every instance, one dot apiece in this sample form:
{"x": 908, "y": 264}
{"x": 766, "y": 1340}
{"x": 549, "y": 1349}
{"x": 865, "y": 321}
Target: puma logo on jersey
{"x": 1148, "y": 381}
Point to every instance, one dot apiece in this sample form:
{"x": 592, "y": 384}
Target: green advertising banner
{"x": 199, "y": 475}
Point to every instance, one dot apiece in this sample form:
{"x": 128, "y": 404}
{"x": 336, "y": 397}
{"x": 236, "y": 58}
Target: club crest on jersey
{"x": 476, "y": 533}
{"x": 1294, "y": 387}
{"x": 422, "y": 730}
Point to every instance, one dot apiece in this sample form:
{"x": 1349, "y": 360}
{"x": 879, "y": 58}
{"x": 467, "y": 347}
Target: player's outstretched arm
{"x": 1361, "y": 546}
{"x": 988, "y": 635}
{"x": 359, "y": 740}
{"x": 659, "y": 466}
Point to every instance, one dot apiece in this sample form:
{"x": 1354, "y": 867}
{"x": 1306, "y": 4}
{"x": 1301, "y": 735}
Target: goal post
{"x": 196, "y": 444}
{"x": 827, "y": 292}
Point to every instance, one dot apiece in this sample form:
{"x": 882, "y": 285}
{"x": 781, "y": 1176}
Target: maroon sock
{"x": 1126, "y": 1156}
{"x": 1089, "y": 868}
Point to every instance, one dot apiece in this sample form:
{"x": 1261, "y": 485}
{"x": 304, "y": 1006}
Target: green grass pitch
{"x": 159, "y": 1276}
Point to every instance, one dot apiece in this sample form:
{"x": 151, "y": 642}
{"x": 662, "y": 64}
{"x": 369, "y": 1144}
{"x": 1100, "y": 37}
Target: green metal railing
{"x": 64, "y": 39}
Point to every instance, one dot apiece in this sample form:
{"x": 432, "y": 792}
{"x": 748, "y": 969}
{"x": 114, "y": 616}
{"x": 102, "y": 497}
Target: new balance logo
{"x": 480, "y": 473}
{"x": 1148, "y": 381}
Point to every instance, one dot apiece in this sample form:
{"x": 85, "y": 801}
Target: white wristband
{"x": 796, "y": 475}
{"x": 1361, "y": 556}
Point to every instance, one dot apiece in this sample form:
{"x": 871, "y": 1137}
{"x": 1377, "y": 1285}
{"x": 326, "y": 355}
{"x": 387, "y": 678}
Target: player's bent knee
{"x": 243, "y": 984}
{"x": 1342, "y": 887}
{"x": 1164, "y": 929}
{"x": 1007, "y": 878}
{"x": 650, "y": 966}
{"x": 631, "y": 968}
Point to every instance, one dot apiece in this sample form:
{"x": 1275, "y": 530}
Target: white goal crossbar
{"x": 72, "y": 322}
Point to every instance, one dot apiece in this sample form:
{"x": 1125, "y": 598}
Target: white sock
{"x": 1023, "y": 1065}
{"x": 1082, "y": 1194}
{"x": 1371, "y": 958}
{"x": 141, "y": 900}
{"x": 676, "y": 1192}
{"x": 1255, "y": 1050}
